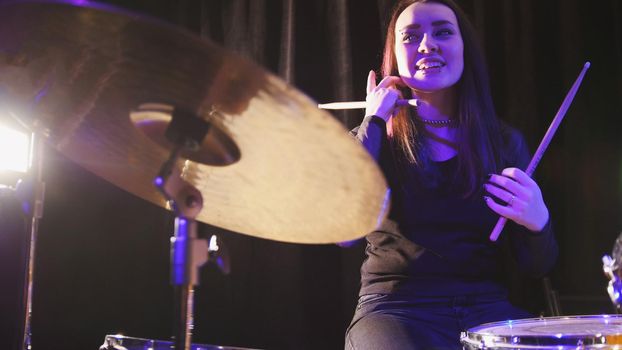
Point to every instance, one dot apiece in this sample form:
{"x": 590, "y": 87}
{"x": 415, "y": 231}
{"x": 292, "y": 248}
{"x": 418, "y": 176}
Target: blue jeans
{"x": 385, "y": 321}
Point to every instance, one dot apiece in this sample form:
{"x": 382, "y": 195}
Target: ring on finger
{"x": 512, "y": 198}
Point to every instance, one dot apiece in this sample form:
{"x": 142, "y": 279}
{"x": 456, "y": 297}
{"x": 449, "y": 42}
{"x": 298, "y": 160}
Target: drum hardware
{"x": 218, "y": 254}
{"x": 611, "y": 268}
{"x": 120, "y": 342}
{"x": 165, "y": 124}
{"x": 552, "y": 298}
{"x": 188, "y": 252}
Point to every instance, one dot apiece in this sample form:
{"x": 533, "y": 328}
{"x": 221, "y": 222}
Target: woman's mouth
{"x": 427, "y": 64}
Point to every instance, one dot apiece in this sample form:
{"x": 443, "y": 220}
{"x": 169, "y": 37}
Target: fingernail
{"x": 486, "y": 198}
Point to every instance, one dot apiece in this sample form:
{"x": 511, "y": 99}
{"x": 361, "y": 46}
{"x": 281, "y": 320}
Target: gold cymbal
{"x": 103, "y": 83}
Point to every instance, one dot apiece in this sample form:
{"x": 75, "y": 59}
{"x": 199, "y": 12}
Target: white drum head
{"x": 568, "y": 332}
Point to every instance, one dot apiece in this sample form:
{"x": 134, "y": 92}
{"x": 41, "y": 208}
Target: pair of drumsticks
{"x": 536, "y": 157}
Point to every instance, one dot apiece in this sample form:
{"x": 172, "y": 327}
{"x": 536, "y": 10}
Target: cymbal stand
{"x": 188, "y": 253}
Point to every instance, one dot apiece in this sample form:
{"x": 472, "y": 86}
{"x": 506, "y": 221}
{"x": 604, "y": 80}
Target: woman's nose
{"x": 427, "y": 44}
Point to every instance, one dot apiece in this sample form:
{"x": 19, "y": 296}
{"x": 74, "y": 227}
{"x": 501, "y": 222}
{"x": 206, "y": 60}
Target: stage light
{"x": 14, "y": 150}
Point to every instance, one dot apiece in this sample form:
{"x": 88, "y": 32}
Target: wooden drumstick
{"x": 546, "y": 140}
{"x": 363, "y": 104}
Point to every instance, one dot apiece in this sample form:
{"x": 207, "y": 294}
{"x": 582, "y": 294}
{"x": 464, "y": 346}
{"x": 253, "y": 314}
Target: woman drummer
{"x": 453, "y": 167}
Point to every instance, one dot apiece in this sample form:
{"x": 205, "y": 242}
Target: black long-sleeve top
{"x": 434, "y": 241}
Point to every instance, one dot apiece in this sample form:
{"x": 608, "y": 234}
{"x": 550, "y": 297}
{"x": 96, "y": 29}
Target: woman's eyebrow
{"x": 437, "y": 23}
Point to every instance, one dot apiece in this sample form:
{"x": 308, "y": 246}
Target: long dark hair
{"x": 478, "y": 138}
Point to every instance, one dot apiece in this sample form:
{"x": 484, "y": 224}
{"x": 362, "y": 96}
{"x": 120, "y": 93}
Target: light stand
{"x": 32, "y": 196}
{"x": 30, "y": 191}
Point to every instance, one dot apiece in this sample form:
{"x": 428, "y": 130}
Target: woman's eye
{"x": 444, "y": 32}
{"x": 410, "y": 37}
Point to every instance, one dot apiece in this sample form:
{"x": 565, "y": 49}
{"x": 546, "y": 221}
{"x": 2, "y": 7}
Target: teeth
{"x": 430, "y": 65}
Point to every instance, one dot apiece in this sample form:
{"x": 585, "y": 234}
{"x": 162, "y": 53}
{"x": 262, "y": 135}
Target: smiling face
{"x": 429, "y": 47}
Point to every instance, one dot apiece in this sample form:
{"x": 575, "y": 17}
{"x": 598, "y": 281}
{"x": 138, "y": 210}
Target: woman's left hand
{"x": 522, "y": 197}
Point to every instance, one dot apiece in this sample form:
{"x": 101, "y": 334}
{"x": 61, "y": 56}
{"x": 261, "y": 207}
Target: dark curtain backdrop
{"x": 102, "y": 264}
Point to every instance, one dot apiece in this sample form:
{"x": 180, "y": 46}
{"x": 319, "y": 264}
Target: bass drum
{"x": 120, "y": 342}
{"x": 560, "y": 333}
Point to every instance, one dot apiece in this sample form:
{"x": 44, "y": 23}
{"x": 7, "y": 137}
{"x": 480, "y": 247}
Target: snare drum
{"x": 120, "y": 342}
{"x": 570, "y": 332}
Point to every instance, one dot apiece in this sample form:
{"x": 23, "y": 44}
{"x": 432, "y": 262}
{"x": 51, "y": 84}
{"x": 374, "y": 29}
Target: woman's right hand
{"x": 382, "y": 98}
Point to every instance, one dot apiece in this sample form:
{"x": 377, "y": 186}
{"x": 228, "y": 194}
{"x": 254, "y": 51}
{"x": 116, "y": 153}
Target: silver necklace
{"x": 437, "y": 122}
